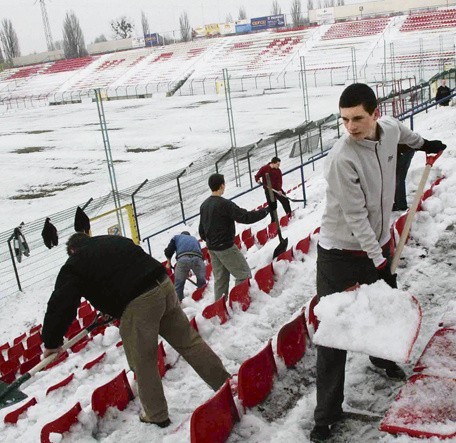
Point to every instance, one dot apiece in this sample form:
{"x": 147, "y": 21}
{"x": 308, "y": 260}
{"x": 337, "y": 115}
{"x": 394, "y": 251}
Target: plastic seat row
{"x": 213, "y": 421}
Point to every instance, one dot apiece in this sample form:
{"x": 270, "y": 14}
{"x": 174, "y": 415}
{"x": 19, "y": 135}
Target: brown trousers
{"x": 157, "y": 312}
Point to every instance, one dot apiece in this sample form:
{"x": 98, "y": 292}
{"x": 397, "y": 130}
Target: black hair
{"x": 76, "y": 242}
{"x": 358, "y": 94}
{"x": 216, "y": 181}
{"x": 185, "y": 233}
{"x": 275, "y": 160}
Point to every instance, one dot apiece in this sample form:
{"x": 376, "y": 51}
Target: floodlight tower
{"x": 47, "y": 28}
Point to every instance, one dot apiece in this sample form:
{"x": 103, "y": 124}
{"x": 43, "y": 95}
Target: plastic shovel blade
{"x": 11, "y": 397}
{"x": 283, "y": 245}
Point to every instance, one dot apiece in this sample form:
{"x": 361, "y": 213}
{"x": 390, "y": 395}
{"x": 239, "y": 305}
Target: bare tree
{"x": 73, "y": 38}
{"x": 145, "y": 24}
{"x": 229, "y": 18}
{"x": 340, "y": 3}
{"x": 296, "y": 13}
{"x": 100, "y": 38}
{"x": 276, "y": 9}
{"x": 2, "y": 60}
{"x": 122, "y": 27}
{"x": 9, "y": 40}
{"x": 310, "y": 5}
{"x": 58, "y": 44}
{"x": 242, "y": 15}
{"x": 184, "y": 26}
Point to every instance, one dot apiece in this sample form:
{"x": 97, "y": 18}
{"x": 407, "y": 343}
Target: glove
{"x": 432, "y": 146}
{"x": 384, "y": 273}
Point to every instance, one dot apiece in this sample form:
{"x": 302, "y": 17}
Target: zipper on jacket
{"x": 381, "y": 189}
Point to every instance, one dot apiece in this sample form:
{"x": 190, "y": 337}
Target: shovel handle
{"x": 430, "y": 160}
{"x": 273, "y": 200}
{"x": 43, "y": 363}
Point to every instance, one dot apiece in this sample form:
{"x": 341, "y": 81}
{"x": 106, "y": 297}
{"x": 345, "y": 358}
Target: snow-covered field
{"x": 426, "y": 269}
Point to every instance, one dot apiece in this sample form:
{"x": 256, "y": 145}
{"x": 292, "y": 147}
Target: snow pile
{"x": 373, "y": 319}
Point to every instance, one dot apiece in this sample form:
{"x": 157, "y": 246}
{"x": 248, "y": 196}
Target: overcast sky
{"x": 94, "y": 15}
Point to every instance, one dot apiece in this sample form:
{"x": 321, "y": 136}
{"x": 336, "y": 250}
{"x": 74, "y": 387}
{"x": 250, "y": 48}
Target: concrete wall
{"x": 42, "y": 57}
{"x": 381, "y": 6}
{"x": 110, "y": 46}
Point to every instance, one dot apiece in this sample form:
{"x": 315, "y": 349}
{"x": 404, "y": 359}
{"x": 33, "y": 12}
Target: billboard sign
{"x": 152, "y": 39}
{"x": 276, "y": 21}
{"x": 271, "y": 21}
{"x": 325, "y": 16}
{"x": 243, "y": 26}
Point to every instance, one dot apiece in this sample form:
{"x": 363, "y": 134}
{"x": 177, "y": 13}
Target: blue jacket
{"x": 183, "y": 244}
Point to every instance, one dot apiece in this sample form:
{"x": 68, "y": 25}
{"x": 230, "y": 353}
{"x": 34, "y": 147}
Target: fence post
{"x": 134, "y": 206}
{"x": 180, "y": 194}
{"x": 302, "y": 173}
{"x": 14, "y": 263}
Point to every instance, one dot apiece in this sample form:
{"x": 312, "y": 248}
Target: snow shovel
{"x": 9, "y": 394}
{"x": 430, "y": 160}
{"x": 283, "y": 241}
{"x": 288, "y": 198}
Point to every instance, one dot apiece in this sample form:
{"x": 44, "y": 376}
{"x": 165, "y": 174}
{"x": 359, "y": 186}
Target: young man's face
{"x": 275, "y": 165}
{"x": 359, "y": 123}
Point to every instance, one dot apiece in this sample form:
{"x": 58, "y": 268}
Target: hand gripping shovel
{"x": 283, "y": 241}
{"x": 294, "y": 200}
{"x": 9, "y": 394}
{"x": 430, "y": 160}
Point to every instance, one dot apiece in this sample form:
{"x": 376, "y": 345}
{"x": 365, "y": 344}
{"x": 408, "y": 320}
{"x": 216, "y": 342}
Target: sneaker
{"x": 394, "y": 372}
{"x": 320, "y": 433}
{"x": 161, "y": 424}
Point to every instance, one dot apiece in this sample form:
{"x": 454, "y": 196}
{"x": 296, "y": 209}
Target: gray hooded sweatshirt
{"x": 361, "y": 178}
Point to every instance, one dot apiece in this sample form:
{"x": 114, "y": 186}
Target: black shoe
{"x": 320, "y": 433}
{"x": 394, "y": 372}
{"x": 161, "y": 424}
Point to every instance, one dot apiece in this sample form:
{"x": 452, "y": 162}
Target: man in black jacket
{"x": 443, "y": 91}
{"x": 217, "y": 229}
{"x": 123, "y": 281}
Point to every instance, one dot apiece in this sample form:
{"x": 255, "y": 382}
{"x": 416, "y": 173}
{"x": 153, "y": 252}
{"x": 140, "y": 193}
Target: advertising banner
{"x": 259, "y": 23}
{"x": 227, "y": 28}
{"x": 212, "y": 29}
{"x": 271, "y": 21}
{"x": 276, "y": 21}
{"x": 152, "y": 39}
{"x": 243, "y": 26}
{"x": 325, "y": 16}
{"x": 200, "y": 31}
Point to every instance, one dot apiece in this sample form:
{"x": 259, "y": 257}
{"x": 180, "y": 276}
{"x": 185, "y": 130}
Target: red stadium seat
{"x": 60, "y": 384}
{"x": 208, "y": 272}
{"x": 291, "y": 341}
{"x": 218, "y": 309}
{"x": 240, "y": 294}
{"x": 212, "y": 421}
{"x": 303, "y": 245}
{"x": 32, "y": 352}
{"x": 286, "y": 255}
{"x": 34, "y": 340}
{"x": 237, "y": 241}
{"x": 15, "y": 351}
{"x": 13, "y": 416}
{"x": 116, "y": 392}
{"x": 93, "y": 362}
{"x": 272, "y": 230}
{"x": 193, "y": 324}
{"x": 198, "y": 293}
{"x": 162, "y": 367}
{"x": 265, "y": 278}
{"x": 256, "y": 377}
{"x": 61, "y": 424}
{"x": 19, "y": 338}
{"x": 262, "y": 236}
{"x": 29, "y": 364}
{"x": 249, "y": 242}
{"x": 246, "y": 233}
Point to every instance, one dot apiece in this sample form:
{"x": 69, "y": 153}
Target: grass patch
{"x": 39, "y": 131}
{"x": 32, "y": 194}
{"x": 30, "y": 149}
{"x": 139, "y": 150}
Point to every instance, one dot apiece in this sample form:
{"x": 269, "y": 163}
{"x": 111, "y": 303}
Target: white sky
{"x": 94, "y": 15}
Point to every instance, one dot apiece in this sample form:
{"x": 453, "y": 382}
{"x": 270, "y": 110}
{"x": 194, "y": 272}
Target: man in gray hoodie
{"x": 354, "y": 238}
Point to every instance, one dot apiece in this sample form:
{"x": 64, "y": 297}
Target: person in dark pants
{"x": 121, "y": 280}
{"x": 275, "y": 174}
{"x": 189, "y": 258}
{"x": 360, "y": 171}
{"x": 443, "y": 91}
{"x": 404, "y": 158}
{"x": 217, "y": 229}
